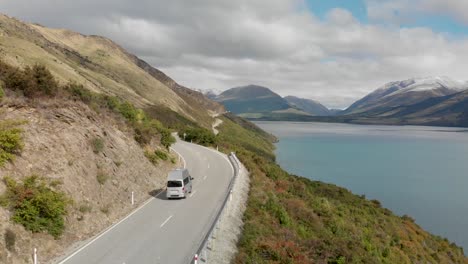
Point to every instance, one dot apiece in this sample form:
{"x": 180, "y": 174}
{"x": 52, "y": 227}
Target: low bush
{"x": 97, "y": 145}
{"x": 200, "y": 136}
{"x": 31, "y": 81}
{"x": 78, "y": 91}
{"x": 151, "y": 157}
{"x": 130, "y": 112}
{"x": 2, "y": 92}
{"x": 11, "y": 142}
{"x": 85, "y": 208}
{"x": 161, "y": 154}
{"x": 10, "y": 240}
{"x": 105, "y": 209}
{"x": 166, "y": 137}
{"x": 35, "y": 205}
{"x": 102, "y": 177}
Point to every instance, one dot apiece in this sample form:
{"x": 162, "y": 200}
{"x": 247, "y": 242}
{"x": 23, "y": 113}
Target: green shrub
{"x": 2, "y": 92}
{"x": 151, "y": 157}
{"x": 32, "y": 82}
{"x": 10, "y": 240}
{"x": 161, "y": 154}
{"x": 128, "y": 111}
{"x": 200, "y": 136}
{"x": 166, "y": 138}
{"x": 106, "y": 209}
{"x": 97, "y": 144}
{"x": 85, "y": 208}
{"x": 111, "y": 102}
{"x": 43, "y": 81}
{"x": 78, "y": 91}
{"x": 102, "y": 177}
{"x": 36, "y": 206}
{"x": 11, "y": 142}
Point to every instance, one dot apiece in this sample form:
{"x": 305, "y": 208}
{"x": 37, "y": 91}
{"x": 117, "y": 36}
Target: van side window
{"x": 186, "y": 181}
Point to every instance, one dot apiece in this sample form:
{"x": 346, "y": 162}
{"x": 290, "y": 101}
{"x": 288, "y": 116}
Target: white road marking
{"x": 165, "y": 221}
{"x": 193, "y": 193}
{"x": 109, "y": 229}
{"x": 208, "y": 165}
{"x": 204, "y": 178}
{"x": 222, "y": 155}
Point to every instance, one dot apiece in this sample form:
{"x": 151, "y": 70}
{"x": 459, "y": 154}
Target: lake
{"x": 413, "y": 170}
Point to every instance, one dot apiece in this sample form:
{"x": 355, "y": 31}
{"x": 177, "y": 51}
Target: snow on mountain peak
{"x": 431, "y": 83}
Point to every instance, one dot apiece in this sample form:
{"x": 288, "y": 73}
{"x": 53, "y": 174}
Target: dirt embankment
{"x": 58, "y": 143}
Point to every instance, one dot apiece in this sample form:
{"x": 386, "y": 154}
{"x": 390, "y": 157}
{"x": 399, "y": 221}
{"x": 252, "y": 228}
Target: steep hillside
{"x": 309, "y": 106}
{"x": 251, "y": 99}
{"x": 101, "y": 65}
{"x": 84, "y": 151}
{"x": 408, "y": 92}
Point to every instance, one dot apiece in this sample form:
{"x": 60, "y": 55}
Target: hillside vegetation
{"x": 290, "y": 219}
{"x": 69, "y": 160}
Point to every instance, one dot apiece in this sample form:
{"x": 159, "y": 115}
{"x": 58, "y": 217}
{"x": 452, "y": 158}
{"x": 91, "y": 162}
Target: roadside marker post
{"x": 133, "y": 199}
{"x": 230, "y": 195}
{"x": 35, "y": 256}
{"x": 196, "y": 259}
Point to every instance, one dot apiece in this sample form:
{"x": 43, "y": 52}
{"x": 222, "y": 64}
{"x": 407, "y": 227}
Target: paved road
{"x": 166, "y": 231}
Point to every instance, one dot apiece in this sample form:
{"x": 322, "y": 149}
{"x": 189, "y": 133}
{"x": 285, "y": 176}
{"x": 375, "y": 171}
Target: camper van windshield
{"x": 174, "y": 184}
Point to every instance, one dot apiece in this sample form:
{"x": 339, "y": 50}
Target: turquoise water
{"x": 418, "y": 171}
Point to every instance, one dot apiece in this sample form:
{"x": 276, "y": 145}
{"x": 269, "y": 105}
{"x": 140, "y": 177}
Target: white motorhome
{"x": 179, "y": 183}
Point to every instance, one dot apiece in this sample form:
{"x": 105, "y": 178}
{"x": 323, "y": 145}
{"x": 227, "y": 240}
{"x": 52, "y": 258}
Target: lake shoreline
{"x": 405, "y": 159}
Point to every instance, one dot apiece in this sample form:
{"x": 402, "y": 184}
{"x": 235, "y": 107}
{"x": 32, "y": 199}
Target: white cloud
{"x": 218, "y": 44}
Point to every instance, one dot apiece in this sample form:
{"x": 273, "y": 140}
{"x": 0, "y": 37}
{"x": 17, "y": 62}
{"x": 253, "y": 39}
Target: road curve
{"x": 166, "y": 231}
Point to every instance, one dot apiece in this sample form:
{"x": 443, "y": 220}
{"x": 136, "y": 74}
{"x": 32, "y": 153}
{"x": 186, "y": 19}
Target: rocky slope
{"x": 58, "y": 138}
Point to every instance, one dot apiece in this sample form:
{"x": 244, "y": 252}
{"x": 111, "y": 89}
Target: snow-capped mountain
{"x": 407, "y": 92}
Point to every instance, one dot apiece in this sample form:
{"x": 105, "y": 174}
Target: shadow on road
{"x": 158, "y": 193}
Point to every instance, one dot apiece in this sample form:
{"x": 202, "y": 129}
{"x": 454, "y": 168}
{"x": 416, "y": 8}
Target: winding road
{"x": 166, "y": 231}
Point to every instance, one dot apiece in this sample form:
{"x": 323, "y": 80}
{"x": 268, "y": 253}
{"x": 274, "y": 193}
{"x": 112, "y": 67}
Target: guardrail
{"x": 202, "y": 252}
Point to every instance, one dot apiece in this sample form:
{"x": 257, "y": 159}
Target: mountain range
{"x": 253, "y": 101}
{"x": 438, "y": 101}
{"x": 84, "y": 125}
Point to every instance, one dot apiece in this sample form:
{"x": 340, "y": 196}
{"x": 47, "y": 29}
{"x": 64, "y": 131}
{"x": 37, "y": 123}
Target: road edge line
{"x": 109, "y": 228}
{"x": 182, "y": 157}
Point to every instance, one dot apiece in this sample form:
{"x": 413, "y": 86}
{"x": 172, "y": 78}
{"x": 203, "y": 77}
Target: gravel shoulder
{"x": 226, "y": 236}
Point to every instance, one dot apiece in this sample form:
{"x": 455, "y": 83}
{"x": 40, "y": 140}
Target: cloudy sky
{"x": 334, "y": 51}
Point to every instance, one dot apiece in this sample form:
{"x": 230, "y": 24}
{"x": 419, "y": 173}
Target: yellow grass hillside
{"x": 97, "y": 63}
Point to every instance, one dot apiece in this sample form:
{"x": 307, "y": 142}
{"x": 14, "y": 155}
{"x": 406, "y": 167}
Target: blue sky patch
{"x": 437, "y": 22}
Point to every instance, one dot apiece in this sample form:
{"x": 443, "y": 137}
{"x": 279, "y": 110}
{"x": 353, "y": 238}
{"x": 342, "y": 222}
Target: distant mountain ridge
{"x": 438, "y": 101}
{"x": 407, "y": 92}
{"x": 309, "y": 106}
{"x": 253, "y": 101}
